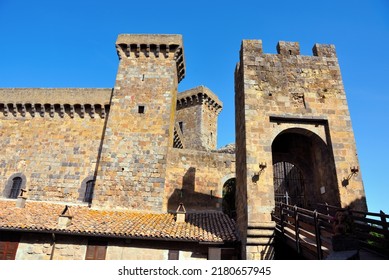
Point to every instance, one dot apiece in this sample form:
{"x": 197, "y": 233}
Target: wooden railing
{"x": 310, "y": 232}
{"x": 370, "y": 229}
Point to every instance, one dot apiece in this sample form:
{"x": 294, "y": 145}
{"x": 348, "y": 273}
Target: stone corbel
{"x": 82, "y": 110}
{"x": 157, "y": 51}
{"x": 128, "y": 50}
{"x": 167, "y": 51}
{"x": 103, "y": 113}
{"x": 92, "y": 111}
{"x": 23, "y": 111}
{"x": 42, "y": 111}
{"x": 6, "y": 110}
{"x": 137, "y": 50}
{"x": 71, "y": 112}
{"x": 61, "y": 111}
{"x": 33, "y": 110}
{"x": 147, "y": 50}
{"x": 52, "y": 110}
{"x": 14, "y": 110}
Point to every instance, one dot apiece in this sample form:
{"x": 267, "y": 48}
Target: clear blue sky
{"x": 70, "y": 43}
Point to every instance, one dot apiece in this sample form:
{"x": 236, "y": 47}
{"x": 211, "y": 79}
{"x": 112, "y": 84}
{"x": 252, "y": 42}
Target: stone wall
{"x": 52, "y": 147}
{"x": 34, "y": 246}
{"x": 196, "y": 178}
{"x": 40, "y": 247}
{"x": 122, "y": 250}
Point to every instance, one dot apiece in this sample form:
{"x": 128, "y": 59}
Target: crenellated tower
{"x": 140, "y": 128}
{"x": 197, "y": 113}
{"x": 294, "y": 138}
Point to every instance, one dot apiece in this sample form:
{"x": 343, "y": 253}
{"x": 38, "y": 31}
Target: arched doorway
{"x": 228, "y": 204}
{"x": 304, "y": 167}
{"x": 289, "y": 184}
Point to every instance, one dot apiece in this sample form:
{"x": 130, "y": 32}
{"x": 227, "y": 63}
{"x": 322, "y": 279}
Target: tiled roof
{"x": 43, "y": 216}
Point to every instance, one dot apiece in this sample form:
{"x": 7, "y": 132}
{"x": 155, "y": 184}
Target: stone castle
{"x": 109, "y": 173}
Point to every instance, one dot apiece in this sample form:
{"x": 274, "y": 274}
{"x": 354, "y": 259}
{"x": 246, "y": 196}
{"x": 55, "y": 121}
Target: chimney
{"x": 180, "y": 213}
{"x": 65, "y": 219}
{"x": 21, "y": 200}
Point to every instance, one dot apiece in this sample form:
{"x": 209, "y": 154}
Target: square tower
{"x": 140, "y": 127}
{"x": 197, "y": 114}
{"x": 292, "y": 122}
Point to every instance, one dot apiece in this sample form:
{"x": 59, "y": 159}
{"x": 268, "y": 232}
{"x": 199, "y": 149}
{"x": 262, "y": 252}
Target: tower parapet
{"x": 199, "y": 95}
{"x": 156, "y": 46}
{"x": 324, "y": 50}
{"x": 288, "y": 48}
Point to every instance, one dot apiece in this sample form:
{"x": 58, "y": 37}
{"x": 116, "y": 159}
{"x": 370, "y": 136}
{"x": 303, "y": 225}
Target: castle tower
{"x": 140, "y": 128}
{"x": 294, "y": 138}
{"x": 197, "y": 113}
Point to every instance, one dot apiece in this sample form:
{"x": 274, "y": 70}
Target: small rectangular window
{"x": 96, "y": 250}
{"x": 181, "y": 124}
{"x": 174, "y": 254}
{"x": 141, "y": 109}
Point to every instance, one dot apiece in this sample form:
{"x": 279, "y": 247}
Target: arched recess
{"x": 309, "y": 157}
{"x": 85, "y": 192}
{"x": 10, "y": 182}
{"x": 228, "y": 204}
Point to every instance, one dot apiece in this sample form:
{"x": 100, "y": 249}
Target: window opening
{"x": 15, "y": 189}
{"x": 181, "y": 125}
{"x": 141, "y": 109}
{"x": 96, "y": 250}
{"x": 173, "y": 255}
{"x": 89, "y": 191}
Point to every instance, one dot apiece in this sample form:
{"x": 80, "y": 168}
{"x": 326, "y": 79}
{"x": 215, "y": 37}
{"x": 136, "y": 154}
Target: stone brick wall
{"x": 40, "y": 247}
{"x": 34, "y": 246}
{"x": 282, "y": 96}
{"x": 196, "y": 178}
{"x": 122, "y": 250}
{"x": 54, "y": 149}
{"x": 189, "y": 120}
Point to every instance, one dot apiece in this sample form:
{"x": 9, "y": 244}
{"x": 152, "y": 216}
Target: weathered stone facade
{"x": 51, "y": 137}
{"x": 291, "y": 108}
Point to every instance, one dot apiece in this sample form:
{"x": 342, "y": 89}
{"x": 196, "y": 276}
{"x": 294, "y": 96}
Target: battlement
{"x": 163, "y": 46}
{"x": 51, "y": 101}
{"x": 289, "y": 48}
{"x": 199, "y": 95}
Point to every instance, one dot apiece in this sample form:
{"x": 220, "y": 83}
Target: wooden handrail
{"x": 300, "y": 225}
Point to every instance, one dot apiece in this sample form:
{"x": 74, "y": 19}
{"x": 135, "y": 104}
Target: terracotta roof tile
{"x": 43, "y": 216}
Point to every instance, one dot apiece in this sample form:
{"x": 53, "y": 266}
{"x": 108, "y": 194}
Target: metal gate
{"x": 288, "y": 184}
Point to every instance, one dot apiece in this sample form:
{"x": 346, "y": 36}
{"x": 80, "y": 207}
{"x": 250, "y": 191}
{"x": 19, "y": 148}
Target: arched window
{"x": 228, "y": 204}
{"x": 89, "y": 191}
{"x": 16, "y": 186}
